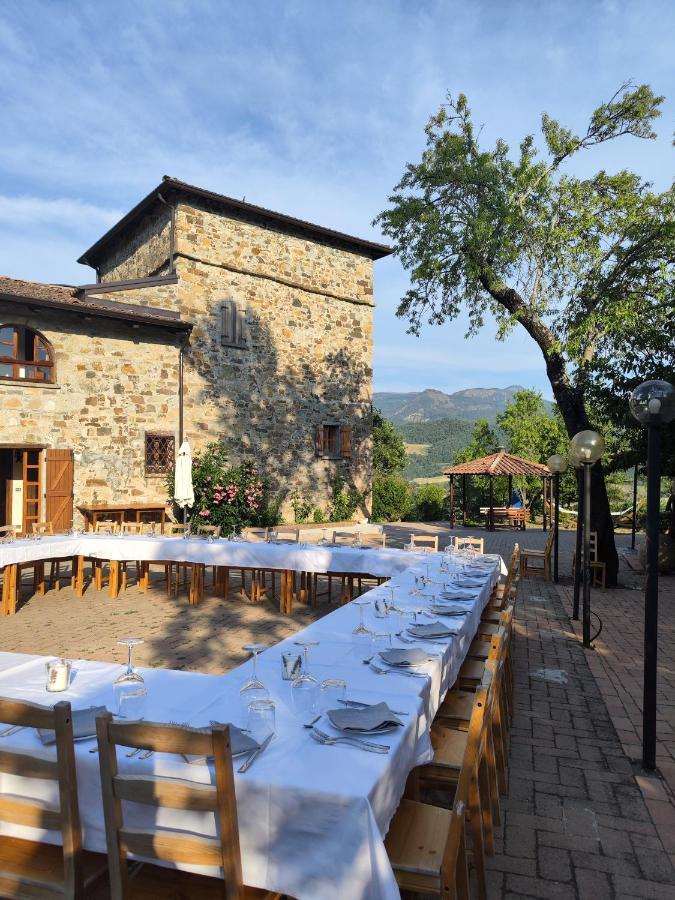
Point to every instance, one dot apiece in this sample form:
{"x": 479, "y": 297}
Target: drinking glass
{"x": 130, "y": 676}
{"x": 305, "y": 689}
{"x": 361, "y": 628}
{"x": 253, "y": 688}
{"x": 331, "y": 691}
{"x": 363, "y": 641}
{"x": 261, "y": 719}
{"x": 324, "y": 536}
{"x": 130, "y": 700}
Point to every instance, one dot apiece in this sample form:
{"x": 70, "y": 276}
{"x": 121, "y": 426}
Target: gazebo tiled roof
{"x": 500, "y": 463}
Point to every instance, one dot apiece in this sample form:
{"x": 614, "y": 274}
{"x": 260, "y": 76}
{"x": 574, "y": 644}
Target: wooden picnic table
{"x": 124, "y": 512}
{"x": 514, "y": 517}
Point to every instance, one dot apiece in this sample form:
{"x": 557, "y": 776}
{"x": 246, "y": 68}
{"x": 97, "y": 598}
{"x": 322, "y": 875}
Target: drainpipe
{"x": 181, "y": 354}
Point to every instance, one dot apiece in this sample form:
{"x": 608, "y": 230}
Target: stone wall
{"x": 143, "y": 250}
{"x": 112, "y": 385}
{"x": 309, "y": 354}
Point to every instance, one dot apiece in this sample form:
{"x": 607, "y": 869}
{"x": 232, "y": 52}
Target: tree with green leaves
{"x": 388, "y": 447}
{"x": 567, "y": 258}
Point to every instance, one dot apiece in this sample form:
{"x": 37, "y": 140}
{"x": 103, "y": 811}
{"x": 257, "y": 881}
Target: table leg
{"x": 9, "y": 590}
{"x": 114, "y": 579}
{"x": 79, "y": 578}
{"x": 196, "y": 584}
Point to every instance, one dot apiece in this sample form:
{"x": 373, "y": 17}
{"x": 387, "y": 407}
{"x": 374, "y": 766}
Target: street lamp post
{"x": 557, "y": 464}
{"x": 653, "y": 405}
{"x": 586, "y": 448}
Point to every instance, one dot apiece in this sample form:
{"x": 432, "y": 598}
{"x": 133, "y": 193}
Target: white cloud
{"x": 62, "y": 213}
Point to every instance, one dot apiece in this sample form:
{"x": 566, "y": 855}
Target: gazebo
{"x": 500, "y": 463}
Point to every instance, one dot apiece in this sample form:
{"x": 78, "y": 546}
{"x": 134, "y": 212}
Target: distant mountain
{"x": 429, "y": 405}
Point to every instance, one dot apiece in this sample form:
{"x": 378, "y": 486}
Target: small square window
{"x": 160, "y": 453}
{"x": 333, "y": 441}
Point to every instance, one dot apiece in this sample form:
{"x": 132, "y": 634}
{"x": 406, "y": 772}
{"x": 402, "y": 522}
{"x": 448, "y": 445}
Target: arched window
{"x": 25, "y": 354}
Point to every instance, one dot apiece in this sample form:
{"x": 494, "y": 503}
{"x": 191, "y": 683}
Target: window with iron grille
{"x": 160, "y": 453}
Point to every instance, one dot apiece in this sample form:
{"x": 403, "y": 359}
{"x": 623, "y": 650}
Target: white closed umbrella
{"x": 183, "y": 490}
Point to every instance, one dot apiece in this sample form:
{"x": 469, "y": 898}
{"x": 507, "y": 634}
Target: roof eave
{"x": 178, "y": 326}
{"x": 368, "y": 248}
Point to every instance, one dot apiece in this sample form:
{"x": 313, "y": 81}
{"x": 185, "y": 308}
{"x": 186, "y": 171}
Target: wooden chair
{"x": 165, "y": 844}
{"x": 38, "y": 565}
{"x": 125, "y": 529}
{"x": 109, "y": 525}
{"x": 171, "y": 529}
{"x": 429, "y": 541}
{"x": 31, "y": 869}
{"x": 348, "y": 538}
{"x": 529, "y": 554}
{"x": 470, "y": 543}
{"x": 598, "y": 568}
{"x": 426, "y": 843}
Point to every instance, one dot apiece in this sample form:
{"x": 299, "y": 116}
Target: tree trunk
{"x": 571, "y": 405}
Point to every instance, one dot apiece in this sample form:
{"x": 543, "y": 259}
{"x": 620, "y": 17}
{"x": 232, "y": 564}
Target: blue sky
{"x": 307, "y": 106}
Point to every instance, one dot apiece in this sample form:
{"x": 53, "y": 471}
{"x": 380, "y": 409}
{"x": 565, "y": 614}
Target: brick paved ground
{"x": 580, "y": 819}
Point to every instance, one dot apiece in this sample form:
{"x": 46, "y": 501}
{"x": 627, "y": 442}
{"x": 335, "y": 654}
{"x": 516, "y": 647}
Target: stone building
{"x": 210, "y": 318}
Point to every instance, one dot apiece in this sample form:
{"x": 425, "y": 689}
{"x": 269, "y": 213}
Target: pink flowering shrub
{"x": 233, "y": 497}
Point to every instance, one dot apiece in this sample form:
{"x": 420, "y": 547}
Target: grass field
{"x": 437, "y": 479}
{"x": 417, "y": 449}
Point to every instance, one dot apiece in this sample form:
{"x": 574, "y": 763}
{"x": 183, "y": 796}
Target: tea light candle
{"x": 58, "y": 675}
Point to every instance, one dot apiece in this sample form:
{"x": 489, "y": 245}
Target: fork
{"x": 8, "y": 732}
{"x": 324, "y": 738}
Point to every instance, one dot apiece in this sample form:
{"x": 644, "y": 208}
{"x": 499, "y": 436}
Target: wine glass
{"x": 130, "y": 676}
{"x": 324, "y": 536}
{"x": 253, "y": 688}
{"x": 305, "y": 688}
{"x": 361, "y": 628}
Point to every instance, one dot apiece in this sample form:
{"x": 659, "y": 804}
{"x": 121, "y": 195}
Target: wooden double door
{"x": 44, "y": 479}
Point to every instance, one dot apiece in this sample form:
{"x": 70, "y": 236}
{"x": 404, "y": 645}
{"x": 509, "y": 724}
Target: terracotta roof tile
{"x": 500, "y": 463}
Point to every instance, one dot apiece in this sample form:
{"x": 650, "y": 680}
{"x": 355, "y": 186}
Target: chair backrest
{"x": 209, "y": 529}
{"x": 593, "y": 541}
{"x": 104, "y": 527}
{"x": 7, "y": 531}
{"x": 63, "y": 817}
{"x": 420, "y": 540}
{"x": 169, "y": 845}
{"x": 344, "y": 537}
{"x": 256, "y": 534}
{"x": 171, "y": 529}
{"x": 549, "y": 541}
{"x": 132, "y": 528}
{"x": 42, "y": 528}
{"x": 288, "y": 534}
{"x": 469, "y": 543}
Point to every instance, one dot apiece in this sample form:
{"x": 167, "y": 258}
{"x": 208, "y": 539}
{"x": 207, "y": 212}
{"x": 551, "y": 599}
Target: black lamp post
{"x": 586, "y": 448}
{"x": 652, "y": 404}
{"x": 557, "y": 464}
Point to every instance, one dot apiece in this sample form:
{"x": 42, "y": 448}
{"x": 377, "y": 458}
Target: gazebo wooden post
{"x": 508, "y": 502}
{"x": 491, "y": 514}
{"x": 452, "y": 501}
{"x": 464, "y": 501}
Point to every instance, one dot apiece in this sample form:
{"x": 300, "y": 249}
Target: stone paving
{"x": 581, "y": 818}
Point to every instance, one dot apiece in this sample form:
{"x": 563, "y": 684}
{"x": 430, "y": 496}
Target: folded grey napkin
{"x": 449, "y": 609}
{"x": 84, "y": 725}
{"x": 369, "y": 719}
{"x": 459, "y": 594}
{"x": 432, "y": 629}
{"x": 240, "y": 742}
{"x": 469, "y": 582}
{"x": 412, "y": 657}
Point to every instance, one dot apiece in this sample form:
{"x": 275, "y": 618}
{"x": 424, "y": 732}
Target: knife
{"x": 256, "y": 753}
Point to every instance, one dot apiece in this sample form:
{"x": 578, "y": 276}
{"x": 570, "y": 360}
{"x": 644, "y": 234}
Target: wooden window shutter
{"x": 319, "y": 443}
{"x": 346, "y": 440}
{"x": 227, "y": 322}
{"x": 241, "y": 333}
{"x": 59, "y": 509}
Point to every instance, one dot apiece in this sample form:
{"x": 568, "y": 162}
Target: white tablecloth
{"x": 381, "y": 562}
{"x": 312, "y": 818}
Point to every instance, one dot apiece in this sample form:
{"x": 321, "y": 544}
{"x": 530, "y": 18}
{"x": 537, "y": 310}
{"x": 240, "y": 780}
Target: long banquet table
{"x": 284, "y": 557}
{"x": 312, "y": 818}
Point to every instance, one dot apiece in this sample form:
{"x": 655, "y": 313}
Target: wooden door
{"x": 59, "y": 489}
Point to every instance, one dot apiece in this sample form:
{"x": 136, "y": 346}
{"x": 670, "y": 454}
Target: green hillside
{"x": 444, "y": 437}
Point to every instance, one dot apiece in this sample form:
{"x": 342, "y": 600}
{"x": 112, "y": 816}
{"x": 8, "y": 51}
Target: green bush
{"x": 318, "y": 516}
{"x": 233, "y": 497}
{"x": 391, "y": 498}
{"x": 301, "y": 508}
{"x": 343, "y": 503}
{"x": 429, "y": 504}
